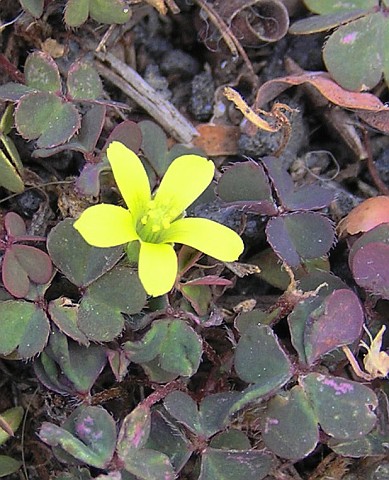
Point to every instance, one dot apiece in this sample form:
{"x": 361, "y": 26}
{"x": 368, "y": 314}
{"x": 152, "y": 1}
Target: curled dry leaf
{"x": 366, "y": 105}
{"x": 370, "y": 213}
{"x": 277, "y": 118}
{"x": 253, "y": 21}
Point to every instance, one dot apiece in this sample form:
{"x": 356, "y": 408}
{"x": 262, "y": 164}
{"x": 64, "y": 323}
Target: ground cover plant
{"x": 194, "y": 240}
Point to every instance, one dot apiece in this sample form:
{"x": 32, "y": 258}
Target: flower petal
{"x": 130, "y": 177}
{"x": 157, "y": 267}
{"x": 185, "y": 180}
{"x": 207, "y": 236}
{"x": 106, "y": 225}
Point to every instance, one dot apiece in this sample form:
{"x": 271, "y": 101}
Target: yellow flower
{"x": 156, "y": 220}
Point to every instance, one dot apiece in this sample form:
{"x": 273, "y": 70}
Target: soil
{"x": 177, "y": 54}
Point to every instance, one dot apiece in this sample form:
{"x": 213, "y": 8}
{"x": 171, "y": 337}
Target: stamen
{"x": 159, "y": 216}
{"x": 165, "y": 223}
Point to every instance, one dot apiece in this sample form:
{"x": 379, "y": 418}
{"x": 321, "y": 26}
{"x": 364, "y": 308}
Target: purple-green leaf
{"x": 321, "y": 23}
{"x": 299, "y": 236}
{"x": 331, "y": 6}
{"x": 83, "y": 82}
{"x": 259, "y": 356}
{"x": 85, "y": 141}
{"x": 21, "y": 264}
{"x": 14, "y": 224}
{"x": 370, "y": 268}
{"x": 44, "y": 117}
{"x": 230, "y": 464}
{"x": 77, "y": 260}
{"x": 118, "y": 291}
{"x": 355, "y": 54}
{"x": 338, "y": 321}
{"x": 24, "y": 327}
{"x": 147, "y": 464}
{"x": 13, "y": 92}
{"x": 103, "y": 11}
{"x": 88, "y": 435}
{"x": 8, "y": 465}
{"x": 35, "y": 7}
{"x": 289, "y": 425}
{"x": 307, "y": 197}
{"x": 245, "y": 185}
{"x": 344, "y": 408}
{"x": 128, "y": 133}
{"x": 68, "y": 368}
{"x": 176, "y": 346}
{"x": 41, "y": 72}
{"x": 134, "y": 432}
{"x": 64, "y": 313}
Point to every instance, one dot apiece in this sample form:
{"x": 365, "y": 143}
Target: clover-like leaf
{"x": 134, "y": 431}
{"x": 369, "y": 264}
{"x": 232, "y": 464}
{"x": 104, "y": 11}
{"x": 68, "y": 368}
{"x": 13, "y": 92}
{"x": 24, "y": 327}
{"x": 155, "y": 148}
{"x": 373, "y": 444}
{"x": 166, "y": 437}
{"x": 34, "y": 7}
{"x": 326, "y": 21}
{"x": 83, "y": 82}
{"x": 145, "y": 463}
{"x": 289, "y": 425}
{"x": 333, "y": 6}
{"x": 77, "y": 260}
{"x": 42, "y": 73}
{"x": 44, "y": 117}
{"x": 88, "y": 435}
{"x": 355, "y": 54}
{"x": 260, "y": 358}
{"x": 338, "y": 402}
{"x": 84, "y": 141}
{"x": 307, "y": 197}
{"x": 14, "y": 225}
{"x": 316, "y": 327}
{"x": 129, "y": 134}
{"x": 184, "y": 409}
{"x": 299, "y": 236}
{"x": 212, "y": 416}
{"x": 100, "y": 316}
{"x": 246, "y": 186}
{"x": 8, "y": 465}
{"x": 64, "y": 313}
{"x": 21, "y": 264}
{"x": 173, "y": 342}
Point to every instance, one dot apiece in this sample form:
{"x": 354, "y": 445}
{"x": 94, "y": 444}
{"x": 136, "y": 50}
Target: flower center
{"x": 157, "y": 218}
